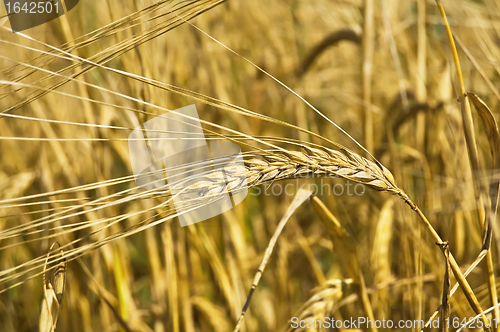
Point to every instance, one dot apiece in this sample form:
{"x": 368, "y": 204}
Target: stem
{"x": 462, "y": 281}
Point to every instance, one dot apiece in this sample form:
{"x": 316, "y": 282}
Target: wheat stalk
{"x": 268, "y": 166}
{"x": 346, "y": 164}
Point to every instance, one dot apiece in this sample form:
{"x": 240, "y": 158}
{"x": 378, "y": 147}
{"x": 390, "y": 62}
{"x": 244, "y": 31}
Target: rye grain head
{"x": 268, "y": 166}
{"x": 320, "y": 162}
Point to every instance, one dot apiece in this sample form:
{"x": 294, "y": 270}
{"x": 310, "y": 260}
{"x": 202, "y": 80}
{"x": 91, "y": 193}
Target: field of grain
{"x": 372, "y": 179}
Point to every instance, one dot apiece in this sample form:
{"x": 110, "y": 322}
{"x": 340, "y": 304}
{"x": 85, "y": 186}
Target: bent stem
{"x": 462, "y": 281}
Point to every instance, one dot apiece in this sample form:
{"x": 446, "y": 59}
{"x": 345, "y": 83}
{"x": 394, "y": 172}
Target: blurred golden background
{"x": 381, "y": 70}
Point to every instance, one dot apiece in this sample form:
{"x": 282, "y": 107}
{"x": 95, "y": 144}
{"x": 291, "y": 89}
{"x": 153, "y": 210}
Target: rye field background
{"x": 290, "y": 82}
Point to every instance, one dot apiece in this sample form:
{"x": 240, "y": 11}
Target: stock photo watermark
{"x": 25, "y": 14}
{"x": 324, "y": 187}
{"x": 171, "y": 148}
{"x": 365, "y": 322}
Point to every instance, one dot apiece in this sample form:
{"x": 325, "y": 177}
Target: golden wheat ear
{"x": 53, "y": 290}
{"x": 343, "y": 163}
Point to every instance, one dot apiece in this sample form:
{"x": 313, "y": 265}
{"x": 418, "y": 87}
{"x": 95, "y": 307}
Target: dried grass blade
{"x": 301, "y": 196}
{"x": 493, "y": 135}
{"x": 491, "y": 128}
